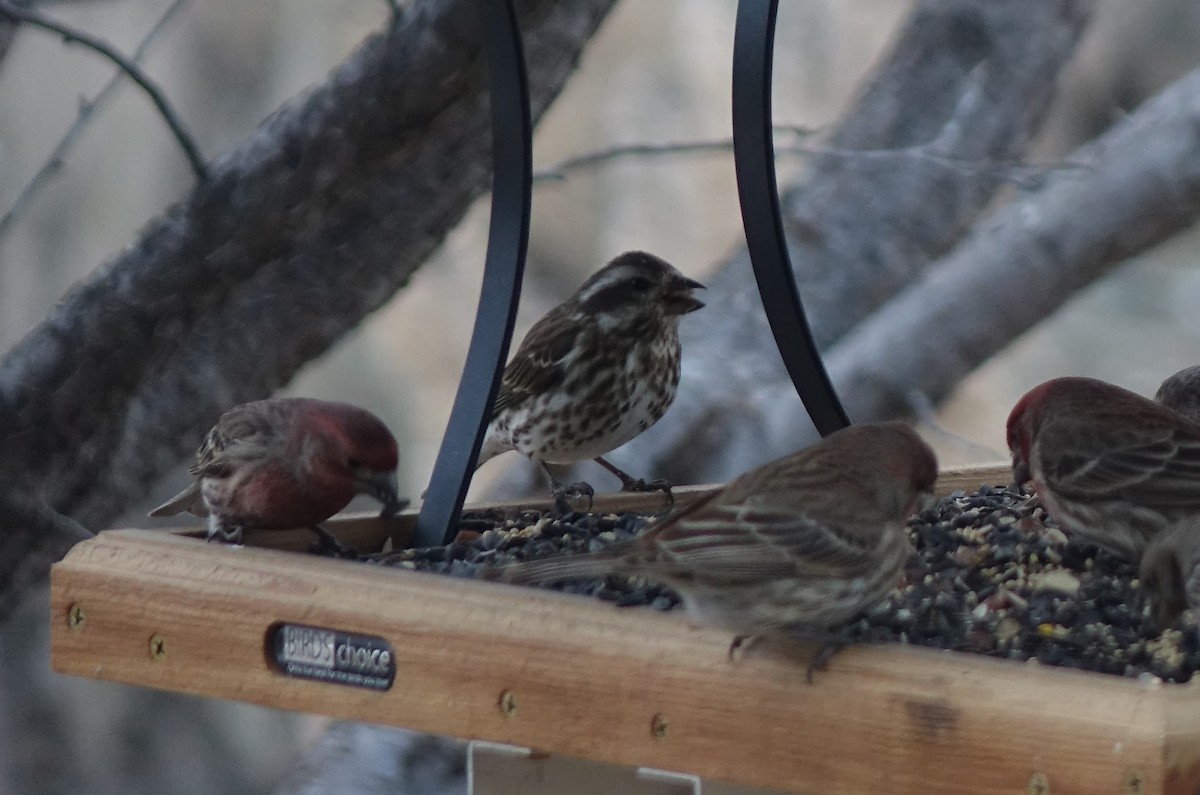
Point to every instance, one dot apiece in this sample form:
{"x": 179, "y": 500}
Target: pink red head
{"x": 349, "y": 449}
{"x": 1082, "y": 403}
{"x": 1023, "y": 421}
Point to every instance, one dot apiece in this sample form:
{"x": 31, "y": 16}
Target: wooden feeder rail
{"x": 574, "y": 676}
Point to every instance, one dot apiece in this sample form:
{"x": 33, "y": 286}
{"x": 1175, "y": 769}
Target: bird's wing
{"x": 1159, "y": 470}
{"x": 241, "y": 434}
{"x": 539, "y": 364}
{"x": 778, "y": 520}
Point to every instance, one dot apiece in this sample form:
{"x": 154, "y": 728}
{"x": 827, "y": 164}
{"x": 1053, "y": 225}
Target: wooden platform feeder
{"x": 568, "y": 675}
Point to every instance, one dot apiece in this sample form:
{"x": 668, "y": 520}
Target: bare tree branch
{"x": 1027, "y": 260}
{"x": 1142, "y": 186}
{"x": 87, "y": 109}
{"x": 590, "y": 160}
{"x": 966, "y": 79}
{"x": 130, "y": 67}
{"x": 300, "y": 232}
{"x": 1021, "y": 173}
{"x": 39, "y": 537}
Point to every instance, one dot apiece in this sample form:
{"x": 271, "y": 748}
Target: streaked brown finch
{"x": 595, "y": 371}
{"x": 799, "y": 546}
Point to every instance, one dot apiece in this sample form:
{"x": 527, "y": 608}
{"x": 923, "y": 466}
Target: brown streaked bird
{"x": 288, "y": 462}
{"x": 1109, "y": 465}
{"x": 1170, "y": 572}
{"x": 595, "y": 371}
{"x": 800, "y": 545}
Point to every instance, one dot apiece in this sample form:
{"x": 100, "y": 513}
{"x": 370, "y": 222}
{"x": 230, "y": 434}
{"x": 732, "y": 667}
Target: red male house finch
{"x": 596, "y": 371}
{"x": 1170, "y": 572}
{"x": 287, "y": 462}
{"x": 802, "y": 544}
{"x": 1109, "y": 465}
{"x": 1181, "y": 392}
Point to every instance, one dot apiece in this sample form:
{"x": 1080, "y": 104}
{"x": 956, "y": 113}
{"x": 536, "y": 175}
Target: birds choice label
{"x": 328, "y": 655}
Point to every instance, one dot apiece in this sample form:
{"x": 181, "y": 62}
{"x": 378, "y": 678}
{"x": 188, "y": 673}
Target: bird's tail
{"x": 188, "y": 500}
{"x": 561, "y": 567}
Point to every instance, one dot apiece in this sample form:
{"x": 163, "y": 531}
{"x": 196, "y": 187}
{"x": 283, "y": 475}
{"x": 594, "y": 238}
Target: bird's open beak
{"x": 680, "y": 301}
{"x": 383, "y": 487}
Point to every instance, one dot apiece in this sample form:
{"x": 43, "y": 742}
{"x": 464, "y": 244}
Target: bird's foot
{"x": 571, "y": 491}
{"x": 637, "y": 484}
{"x": 740, "y": 645}
{"x": 227, "y": 535}
{"x": 630, "y": 483}
{"x": 329, "y": 546}
{"x": 390, "y": 509}
{"x": 820, "y": 660}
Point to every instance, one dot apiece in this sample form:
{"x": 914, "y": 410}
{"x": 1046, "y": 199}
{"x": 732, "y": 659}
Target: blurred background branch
{"x": 968, "y": 81}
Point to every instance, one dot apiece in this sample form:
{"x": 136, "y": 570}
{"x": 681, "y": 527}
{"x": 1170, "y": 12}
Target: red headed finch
{"x": 1170, "y": 572}
{"x": 802, "y": 544}
{"x": 1109, "y": 465}
{"x": 287, "y": 462}
{"x": 596, "y": 371}
{"x": 1181, "y": 392}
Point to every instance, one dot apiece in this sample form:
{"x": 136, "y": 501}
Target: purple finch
{"x": 1110, "y": 466}
{"x": 287, "y": 462}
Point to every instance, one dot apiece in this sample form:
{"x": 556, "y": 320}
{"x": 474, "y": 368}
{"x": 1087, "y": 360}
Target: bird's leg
{"x": 230, "y": 534}
{"x": 563, "y": 492}
{"x": 825, "y": 653}
{"x": 329, "y": 544}
{"x": 630, "y": 483}
{"x": 740, "y": 645}
{"x": 831, "y": 642}
{"x": 390, "y": 509}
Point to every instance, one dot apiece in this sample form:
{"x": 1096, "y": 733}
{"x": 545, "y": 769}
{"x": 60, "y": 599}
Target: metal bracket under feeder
{"x": 500, "y": 769}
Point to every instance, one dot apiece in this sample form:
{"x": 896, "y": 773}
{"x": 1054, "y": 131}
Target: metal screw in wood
{"x": 76, "y": 618}
{"x": 1135, "y": 783}
{"x": 1038, "y": 784}
{"x": 507, "y": 703}
{"x": 659, "y": 726}
{"x": 158, "y": 648}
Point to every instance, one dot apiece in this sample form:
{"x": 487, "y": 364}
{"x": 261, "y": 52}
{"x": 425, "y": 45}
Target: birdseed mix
{"x": 992, "y": 575}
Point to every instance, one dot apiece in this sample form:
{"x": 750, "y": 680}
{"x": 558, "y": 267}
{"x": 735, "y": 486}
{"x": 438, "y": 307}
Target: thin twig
{"x": 1023, "y": 174}
{"x": 70, "y": 34}
{"x": 559, "y": 171}
{"x": 54, "y": 161}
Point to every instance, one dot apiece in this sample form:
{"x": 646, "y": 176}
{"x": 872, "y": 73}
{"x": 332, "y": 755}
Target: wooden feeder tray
{"x": 569, "y": 675}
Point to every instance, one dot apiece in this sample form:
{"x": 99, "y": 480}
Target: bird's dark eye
{"x": 639, "y": 284}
